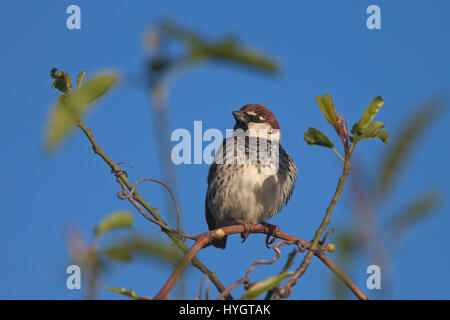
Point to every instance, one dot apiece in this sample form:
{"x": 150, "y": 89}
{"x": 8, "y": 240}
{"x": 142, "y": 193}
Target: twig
{"x": 287, "y": 265}
{"x": 200, "y": 243}
{"x": 171, "y": 196}
{"x": 341, "y": 275}
{"x": 125, "y": 195}
{"x": 246, "y": 279}
{"x": 285, "y": 291}
{"x": 206, "y": 238}
{"x": 228, "y": 290}
{"x": 141, "y": 211}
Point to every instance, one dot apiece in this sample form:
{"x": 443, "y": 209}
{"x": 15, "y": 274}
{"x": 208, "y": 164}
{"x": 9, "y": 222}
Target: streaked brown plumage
{"x": 251, "y": 191}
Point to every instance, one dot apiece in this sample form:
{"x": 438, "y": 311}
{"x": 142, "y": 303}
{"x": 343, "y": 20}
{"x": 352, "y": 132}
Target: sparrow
{"x": 252, "y": 177}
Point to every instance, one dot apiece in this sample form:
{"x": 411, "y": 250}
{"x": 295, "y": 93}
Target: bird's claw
{"x": 274, "y": 232}
{"x": 246, "y": 225}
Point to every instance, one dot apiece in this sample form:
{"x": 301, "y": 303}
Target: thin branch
{"x": 341, "y": 275}
{"x": 206, "y": 238}
{"x": 287, "y": 265}
{"x": 125, "y": 195}
{"x": 228, "y": 290}
{"x": 286, "y": 290}
{"x": 167, "y": 188}
{"x": 246, "y": 279}
{"x": 200, "y": 243}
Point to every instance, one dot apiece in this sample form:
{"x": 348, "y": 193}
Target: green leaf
{"x": 121, "y": 253}
{"x": 228, "y": 49}
{"x": 405, "y": 141}
{"x": 80, "y": 79}
{"x": 326, "y": 105}
{"x": 94, "y": 89}
{"x": 116, "y": 220}
{"x": 370, "y": 112}
{"x": 371, "y": 131}
{"x": 71, "y": 108}
{"x": 418, "y": 209}
{"x": 260, "y": 287}
{"x": 383, "y": 135}
{"x": 129, "y": 293}
{"x": 316, "y": 137}
{"x": 59, "y": 125}
{"x": 126, "y": 249}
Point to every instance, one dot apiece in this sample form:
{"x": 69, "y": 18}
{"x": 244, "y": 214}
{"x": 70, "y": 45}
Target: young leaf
{"x": 260, "y": 287}
{"x": 406, "y": 139}
{"x": 371, "y": 131}
{"x": 316, "y": 137}
{"x": 230, "y": 50}
{"x": 419, "y": 208}
{"x": 72, "y": 107}
{"x": 116, "y": 220}
{"x": 383, "y": 135}
{"x": 370, "y": 112}
{"x": 125, "y": 249}
{"x": 80, "y": 79}
{"x": 129, "y": 293}
{"x": 94, "y": 89}
{"x": 60, "y": 124}
{"x": 326, "y": 105}
{"x": 200, "y": 48}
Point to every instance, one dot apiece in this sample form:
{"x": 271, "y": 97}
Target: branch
{"x": 285, "y": 291}
{"x": 246, "y": 279}
{"x": 341, "y": 275}
{"x": 287, "y": 265}
{"x": 206, "y": 238}
{"x": 122, "y": 178}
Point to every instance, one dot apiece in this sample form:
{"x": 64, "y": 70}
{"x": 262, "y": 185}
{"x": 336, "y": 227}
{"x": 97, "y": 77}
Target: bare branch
{"x": 205, "y": 238}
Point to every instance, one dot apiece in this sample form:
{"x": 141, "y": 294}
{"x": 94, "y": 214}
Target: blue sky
{"x": 322, "y": 46}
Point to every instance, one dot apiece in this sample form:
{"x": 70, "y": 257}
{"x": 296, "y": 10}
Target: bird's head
{"x": 258, "y": 119}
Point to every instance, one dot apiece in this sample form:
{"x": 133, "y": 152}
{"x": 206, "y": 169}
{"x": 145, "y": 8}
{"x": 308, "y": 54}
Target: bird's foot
{"x": 246, "y": 225}
{"x": 274, "y": 232}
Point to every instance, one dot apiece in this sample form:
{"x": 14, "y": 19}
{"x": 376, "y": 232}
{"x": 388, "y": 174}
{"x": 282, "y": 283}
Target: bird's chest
{"x": 246, "y": 194}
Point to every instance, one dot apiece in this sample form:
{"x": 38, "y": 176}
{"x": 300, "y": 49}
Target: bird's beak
{"x": 239, "y": 116}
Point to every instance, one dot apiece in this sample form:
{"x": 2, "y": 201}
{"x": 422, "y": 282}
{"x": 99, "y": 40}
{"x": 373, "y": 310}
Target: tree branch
{"x": 205, "y": 238}
{"x": 341, "y": 275}
{"x": 285, "y": 291}
{"x": 122, "y": 177}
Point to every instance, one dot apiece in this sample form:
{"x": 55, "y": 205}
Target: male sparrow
{"x": 252, "y": 176}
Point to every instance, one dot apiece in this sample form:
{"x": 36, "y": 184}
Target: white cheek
{"x": 263, "y": 130}
{"x": 258, "y": 129}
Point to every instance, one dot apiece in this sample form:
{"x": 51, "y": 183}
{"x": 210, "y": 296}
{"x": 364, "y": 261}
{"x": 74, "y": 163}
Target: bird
{"x": 243, "y": 187}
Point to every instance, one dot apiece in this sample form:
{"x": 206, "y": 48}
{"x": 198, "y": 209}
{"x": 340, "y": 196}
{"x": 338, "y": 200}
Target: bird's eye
{"x": 254, "y": 118}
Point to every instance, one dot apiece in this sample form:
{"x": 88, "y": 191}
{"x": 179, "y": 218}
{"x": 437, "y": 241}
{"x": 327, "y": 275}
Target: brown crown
{"x": 263, "y": 112}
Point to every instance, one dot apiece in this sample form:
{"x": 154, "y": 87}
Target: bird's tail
{"x": 220, "y": 243}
